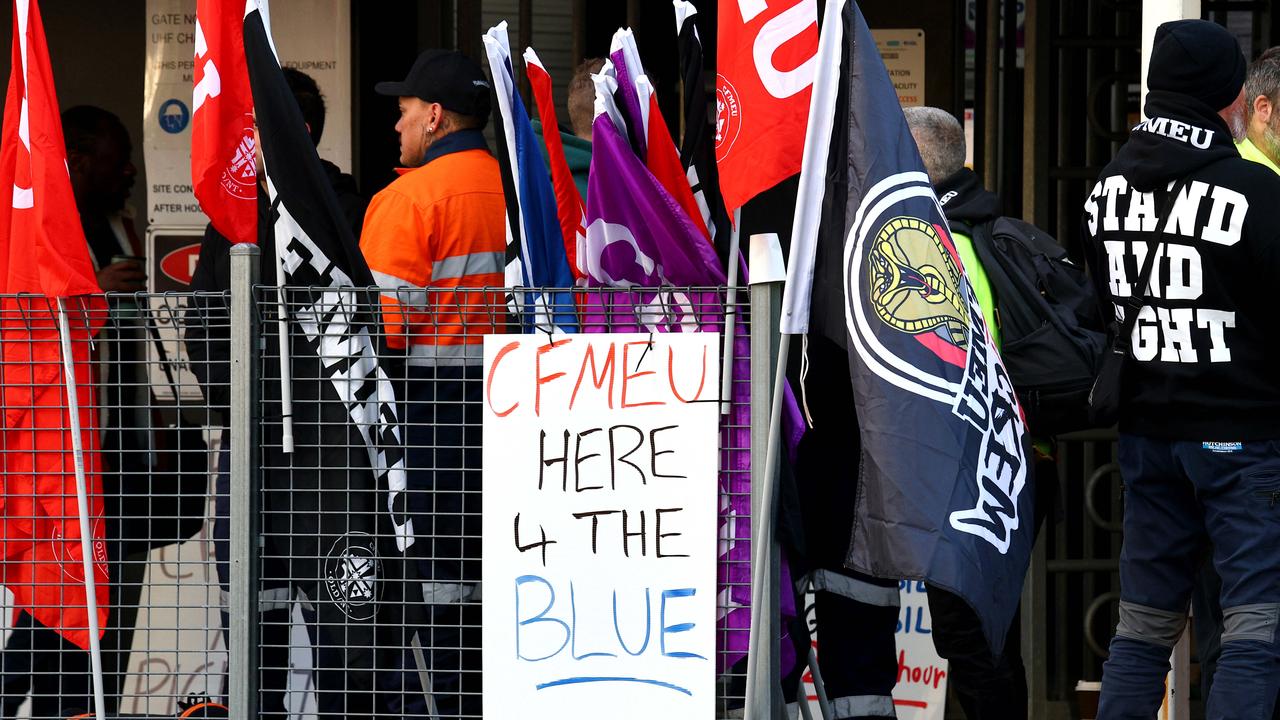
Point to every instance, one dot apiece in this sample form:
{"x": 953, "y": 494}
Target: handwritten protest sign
{"x": 600, "y": 459}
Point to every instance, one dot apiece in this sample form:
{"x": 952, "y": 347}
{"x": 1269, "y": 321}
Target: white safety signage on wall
{"x": 600, "y": 496}
{"x": 311, "y": 35}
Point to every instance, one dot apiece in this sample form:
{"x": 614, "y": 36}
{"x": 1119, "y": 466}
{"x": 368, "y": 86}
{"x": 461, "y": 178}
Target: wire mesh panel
{"x": 354, "y": 621}
{"x": 144, "y": 454}
{"x": 369, "y": 596}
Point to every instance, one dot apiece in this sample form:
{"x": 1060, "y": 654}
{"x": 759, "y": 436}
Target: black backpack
{"x": 1051, "y": 331}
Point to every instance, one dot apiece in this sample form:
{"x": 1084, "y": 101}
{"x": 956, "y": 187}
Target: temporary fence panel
{"x": 149, "y": 439}
{"x": 349, "y": 622}
{"x": 385, "y": 621}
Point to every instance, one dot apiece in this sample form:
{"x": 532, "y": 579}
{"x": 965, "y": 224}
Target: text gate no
{"x": 600, "y": 497}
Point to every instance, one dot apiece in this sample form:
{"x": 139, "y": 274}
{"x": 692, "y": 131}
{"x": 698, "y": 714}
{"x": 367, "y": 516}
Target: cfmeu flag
{"x": 569, "y": 204}
{"x": 224, "y": 175}
{"x": 43, "y": 252}
{"x": 342, "y": 490}
{"x": 696, "y": 147}
{"x": 536, "y": 255}
{"x": 765, "y": 60}
{"x": 945, "y": 496}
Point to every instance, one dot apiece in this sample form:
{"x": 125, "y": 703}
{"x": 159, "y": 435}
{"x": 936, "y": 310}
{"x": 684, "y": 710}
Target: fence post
{"x": 764, "y": 690}
{"x": 242, "y": 608}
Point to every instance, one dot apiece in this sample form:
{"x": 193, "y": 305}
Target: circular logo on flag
{"x": 902, "y": 273}
{"x": 351, "y": 576}
{"x": 70, "y": 557}
{"x": 728, "y": 117}
{"x": 174, "y": 116}
{"x": 240, "y": 179}
{"x": 914, "y": 282}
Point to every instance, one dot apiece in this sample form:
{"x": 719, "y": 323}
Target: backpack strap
{"x": 1137, "y": 297}
{"x": 1011, "y": 292}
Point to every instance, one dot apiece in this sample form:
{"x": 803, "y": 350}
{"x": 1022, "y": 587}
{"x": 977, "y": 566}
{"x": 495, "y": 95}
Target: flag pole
{"x": 759, "y": 695}
{"x": 282, "y": 326}
{"x": 82, "y": 509}
{"x": 286, "y": 380}
{"x": 731, "y": 314}
{"x": 767, "y": 276}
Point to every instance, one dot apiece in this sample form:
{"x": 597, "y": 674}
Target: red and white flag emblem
{"x": 223, "y": 172}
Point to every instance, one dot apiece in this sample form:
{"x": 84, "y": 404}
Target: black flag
{"x": 945, "y": 495}
{"x": 697, "y": 148}
{"x": 333, "y": 509}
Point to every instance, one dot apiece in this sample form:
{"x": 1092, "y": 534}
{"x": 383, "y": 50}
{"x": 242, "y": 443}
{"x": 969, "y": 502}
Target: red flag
{"x": 569, "y": 205}
{"x": 664, "y": 163}
{"x": 765, "y": 59}
{"x": 224, "y": 174}
{"x": 43, "y": 251}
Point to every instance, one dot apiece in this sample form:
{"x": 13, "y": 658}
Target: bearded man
{"x": 1262, "y": 93}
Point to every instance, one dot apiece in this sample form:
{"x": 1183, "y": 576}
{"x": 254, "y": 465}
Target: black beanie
{"x": 1197, "y": 58}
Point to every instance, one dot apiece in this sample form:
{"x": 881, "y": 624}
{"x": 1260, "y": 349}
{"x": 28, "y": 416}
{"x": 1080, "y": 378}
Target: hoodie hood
{"x": 1180, "y": 135}
{"x": 964, "y": 200}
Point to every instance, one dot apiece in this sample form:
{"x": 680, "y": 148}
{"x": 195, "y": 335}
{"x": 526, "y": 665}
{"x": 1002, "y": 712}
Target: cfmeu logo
{"x": 70, "y": 556}
{"x": 728, "y": 116}
{"x": 239, "y": 179}
{"x": 351, "y": 575}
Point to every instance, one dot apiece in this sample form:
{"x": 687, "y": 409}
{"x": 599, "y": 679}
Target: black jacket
{"x": 208, "y": 329}
{"x": 1203, "y": 349}
{"x": 964, "y": 200}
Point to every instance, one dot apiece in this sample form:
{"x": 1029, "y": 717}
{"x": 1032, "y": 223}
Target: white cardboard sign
{"x": 600, "y": 461}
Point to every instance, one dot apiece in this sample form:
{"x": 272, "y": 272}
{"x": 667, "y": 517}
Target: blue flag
{"x": 945, "y": 491}
{"x": 535, "y": 244}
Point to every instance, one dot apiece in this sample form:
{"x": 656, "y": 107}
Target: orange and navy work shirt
{"x": 440, "y": 226}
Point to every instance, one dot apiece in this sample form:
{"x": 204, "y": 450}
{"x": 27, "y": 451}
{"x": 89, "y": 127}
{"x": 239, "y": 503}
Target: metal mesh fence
{"x": 349, "y": 623}
{"x": 148, "y": 440}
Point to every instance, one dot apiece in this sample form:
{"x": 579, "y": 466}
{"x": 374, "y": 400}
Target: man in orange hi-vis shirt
{"x": 435, "y": 239}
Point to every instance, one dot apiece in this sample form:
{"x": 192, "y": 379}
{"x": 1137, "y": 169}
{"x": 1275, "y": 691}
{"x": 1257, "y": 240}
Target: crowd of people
{"x": 1181, "y": 237}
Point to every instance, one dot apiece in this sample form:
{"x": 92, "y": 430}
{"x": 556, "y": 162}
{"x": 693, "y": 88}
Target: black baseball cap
{"x": 443, "y": 76}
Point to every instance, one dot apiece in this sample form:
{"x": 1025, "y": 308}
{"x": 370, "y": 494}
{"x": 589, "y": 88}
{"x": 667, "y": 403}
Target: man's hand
{"x": 122, "y": 276}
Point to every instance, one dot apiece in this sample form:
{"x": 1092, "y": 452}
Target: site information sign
{"x": 903, "y": 53}
{"x": 600, "y": 497}
{"x": 313, "y": 36}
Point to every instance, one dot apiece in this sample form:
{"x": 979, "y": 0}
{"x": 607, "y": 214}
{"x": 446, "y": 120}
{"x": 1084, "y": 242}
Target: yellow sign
{"x": 903, "y": 53}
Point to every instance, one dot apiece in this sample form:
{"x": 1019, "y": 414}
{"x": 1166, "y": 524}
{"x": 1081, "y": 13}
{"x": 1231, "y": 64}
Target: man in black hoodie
{"x": 1200, "y": 402}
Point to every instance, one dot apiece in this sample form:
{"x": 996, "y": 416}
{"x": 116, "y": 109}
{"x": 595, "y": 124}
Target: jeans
{"x": 1181, "y": 498}
{"x": 443, "y": 456}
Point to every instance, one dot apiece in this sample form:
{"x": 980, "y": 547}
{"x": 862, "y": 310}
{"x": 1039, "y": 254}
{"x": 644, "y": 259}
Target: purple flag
{"x": 625, "y": 58}
{"x": 639, "y": 236}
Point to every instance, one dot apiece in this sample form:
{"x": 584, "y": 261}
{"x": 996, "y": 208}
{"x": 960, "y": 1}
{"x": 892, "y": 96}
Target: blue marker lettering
{"x": 648, "y": 624}
{"x": 573, "y": 618}
{"x": 539, "y": 618}
{"x": 679, "y": 628}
